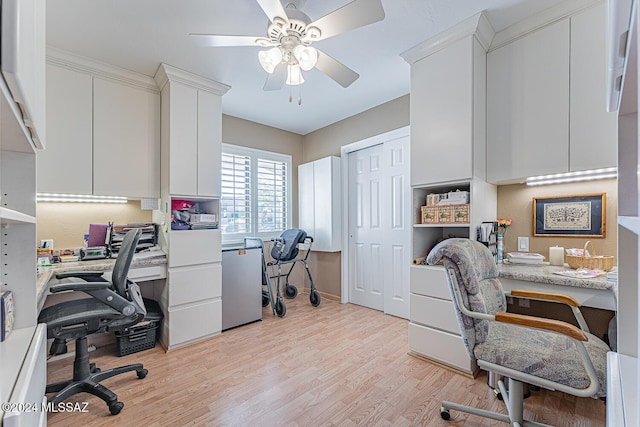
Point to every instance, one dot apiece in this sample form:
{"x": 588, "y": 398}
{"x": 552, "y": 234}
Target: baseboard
{"x": 324, "y": 295}
{"x": 474, "y": 374}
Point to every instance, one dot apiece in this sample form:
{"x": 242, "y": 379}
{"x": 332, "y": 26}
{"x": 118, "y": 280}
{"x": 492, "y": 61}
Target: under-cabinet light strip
{"x": 78, "y": 198}
{"x": 562, "y": 178}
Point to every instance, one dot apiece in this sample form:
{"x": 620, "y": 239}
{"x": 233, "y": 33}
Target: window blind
{"x": 235, "y": 200}
{"x": 272, "y": 200}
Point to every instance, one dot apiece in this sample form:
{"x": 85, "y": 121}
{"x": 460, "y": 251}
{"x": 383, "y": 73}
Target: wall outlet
{"x": 523, "y": 244}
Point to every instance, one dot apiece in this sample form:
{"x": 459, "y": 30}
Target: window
{"x": 256, "y": 193}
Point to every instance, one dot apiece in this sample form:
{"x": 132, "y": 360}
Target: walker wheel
{"x": 444, "y": 413}
{"x": 265, "y": 300}
{"x": 314, "y": 298}
{"x": 281, "y": 309}
{"x": 290, "y": 291}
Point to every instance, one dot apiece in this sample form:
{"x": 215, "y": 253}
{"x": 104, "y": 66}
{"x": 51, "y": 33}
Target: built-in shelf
{"x": 12, "y": 352}
{"x": 631, "y": 223}
{"x": 8, "y": 216}
{"x": 440, "y": 225}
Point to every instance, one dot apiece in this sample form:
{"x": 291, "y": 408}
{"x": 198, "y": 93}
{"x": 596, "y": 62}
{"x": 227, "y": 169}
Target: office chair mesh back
{"x": 540, "y": 353}
{"x": 123, "y": 262}
{"x": 476, "y": 269}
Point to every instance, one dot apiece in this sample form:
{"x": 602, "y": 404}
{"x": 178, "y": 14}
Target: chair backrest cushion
{"x": 286, "y": 249}
{"x": 477, "y": 276}
{"x": 123, "y": 262}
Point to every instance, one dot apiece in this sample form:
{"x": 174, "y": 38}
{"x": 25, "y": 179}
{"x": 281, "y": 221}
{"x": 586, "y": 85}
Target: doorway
{"x": 378, "y": 217}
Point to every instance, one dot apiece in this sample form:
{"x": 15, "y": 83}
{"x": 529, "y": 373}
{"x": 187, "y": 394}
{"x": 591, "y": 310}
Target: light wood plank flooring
{"x": 334, "y": 365}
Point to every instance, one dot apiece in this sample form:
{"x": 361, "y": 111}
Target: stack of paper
{"x": 525, "y": 258}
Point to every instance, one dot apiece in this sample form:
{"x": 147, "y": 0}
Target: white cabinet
{"x": 69, "y": 134}
{"x": 23, "y": 61}
{"x": 546, "y": 101}
{"x": 447, "y": 113}
{"x": 107, "y": 127}
{"x": 528, "y": 105}
{"x": 593, "y": 130}
{"x": 126, "y": 140}
{"x": 319, "y": 212}
{"x": 192, "y": 133}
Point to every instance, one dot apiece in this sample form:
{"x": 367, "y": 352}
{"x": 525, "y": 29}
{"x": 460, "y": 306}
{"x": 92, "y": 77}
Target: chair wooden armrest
{"x": 549, "y": 296}
{"x": 542, "y": 323}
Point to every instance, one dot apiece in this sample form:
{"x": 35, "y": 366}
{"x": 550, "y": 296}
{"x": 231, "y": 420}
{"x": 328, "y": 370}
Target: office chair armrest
{"x": 573, "y": 304}
{"x": 78, "y": 286}
{"x": 79, "y": 274}
{"x": 542, "y": 323}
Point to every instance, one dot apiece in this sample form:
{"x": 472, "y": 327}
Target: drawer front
{"x": 430, "y": 281}
{"x": 436, "y": 313}
{"x": 440, "y": 346}
{"x": 194, "y": 284}
{"x": 194, "y": 322}
{"x": 141, "y": 274}
{"x": 192, "y": 247}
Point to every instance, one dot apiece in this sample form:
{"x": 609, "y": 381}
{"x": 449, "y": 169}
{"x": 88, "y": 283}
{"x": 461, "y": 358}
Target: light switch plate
{"x": 523, "y": 244}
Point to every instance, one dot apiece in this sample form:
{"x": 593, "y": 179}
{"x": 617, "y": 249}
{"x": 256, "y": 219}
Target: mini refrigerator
{"x": 241, "y": 286}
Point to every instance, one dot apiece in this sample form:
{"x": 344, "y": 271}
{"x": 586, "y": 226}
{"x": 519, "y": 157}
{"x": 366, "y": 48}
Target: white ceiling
{"x": 140, "y": 34}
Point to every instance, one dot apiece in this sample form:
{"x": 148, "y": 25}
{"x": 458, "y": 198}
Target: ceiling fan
{"x": 290, "y": 35}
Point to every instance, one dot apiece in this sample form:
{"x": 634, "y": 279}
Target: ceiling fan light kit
{"x": 290, "y": 35}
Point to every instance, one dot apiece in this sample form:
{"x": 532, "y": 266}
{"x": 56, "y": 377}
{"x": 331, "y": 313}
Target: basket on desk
{"x": 592, "y": 262}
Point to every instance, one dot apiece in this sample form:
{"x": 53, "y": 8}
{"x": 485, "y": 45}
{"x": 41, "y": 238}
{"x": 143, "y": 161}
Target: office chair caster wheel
{"x": 142, "y": 373}
{"x": 281, "y": 309}
{"x": 265, "y": 300}
{"x": 498, "y": 394}
{"x": 115, "y": 408}
{"x": 290, "y": 291}
{"x": 314, "y": 298}
{"x": 444, "y": 413}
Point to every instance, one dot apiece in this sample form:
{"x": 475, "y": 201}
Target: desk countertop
{"x": 45, "y": 273}
{"x": 546, "y": 274}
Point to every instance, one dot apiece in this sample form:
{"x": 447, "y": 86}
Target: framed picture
{"x": 579, "y": 215}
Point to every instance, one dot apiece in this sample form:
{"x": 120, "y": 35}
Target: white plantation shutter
{"x": 273, "y": 197}
{"x": 235, "y": 202}
{"x": 256, "y": 193}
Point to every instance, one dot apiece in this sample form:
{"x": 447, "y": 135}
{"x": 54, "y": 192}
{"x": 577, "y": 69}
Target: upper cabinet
{"x": 546, "y": 101}
{"x": 107, "y": 122}
{"x": 23, "y": 61}
{"x": 447, "y": 108}
{"x": 191, "y": 133}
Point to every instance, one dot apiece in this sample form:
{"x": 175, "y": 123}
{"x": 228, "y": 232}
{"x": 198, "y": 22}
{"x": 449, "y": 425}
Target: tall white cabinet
{"x": 447, "y": 149}
{"x": 319, "y": 212}
{"x": 191, "y": 144}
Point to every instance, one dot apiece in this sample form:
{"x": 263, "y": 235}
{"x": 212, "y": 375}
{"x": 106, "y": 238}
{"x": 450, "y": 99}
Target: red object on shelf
{"x": 181, "y": 205}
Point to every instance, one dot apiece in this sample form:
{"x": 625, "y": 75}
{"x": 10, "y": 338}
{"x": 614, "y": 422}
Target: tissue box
{"x": 7, "y": 314}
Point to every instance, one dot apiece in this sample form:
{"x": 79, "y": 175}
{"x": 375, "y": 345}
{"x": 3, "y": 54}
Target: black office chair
{"x": 114, "y": 306}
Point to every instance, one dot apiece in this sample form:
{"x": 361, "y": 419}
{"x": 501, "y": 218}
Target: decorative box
{"x": 458, "y": 197}
{"x": 445, "y": 214}
{"x": 429, "y": 214}
{"x": 7, "y": 314}
{"x": 433, "y": 199}
{"x": 461, "y": 214}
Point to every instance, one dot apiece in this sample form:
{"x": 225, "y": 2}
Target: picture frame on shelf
{"x": 575, "y": 215}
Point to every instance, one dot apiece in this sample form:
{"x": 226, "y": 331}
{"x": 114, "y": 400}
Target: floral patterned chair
{"x": 547, "y": 353}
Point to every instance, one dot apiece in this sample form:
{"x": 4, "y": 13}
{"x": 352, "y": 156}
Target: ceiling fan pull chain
{"x": 299, "y": 95}
{"x": 290, "y": 95}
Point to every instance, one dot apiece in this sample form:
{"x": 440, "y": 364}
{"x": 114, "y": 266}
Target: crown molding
{"x": 99, "y": 69}
{"x": 542, "y": 19}
{"x": 478, "y": 25}
{"x": 166, "y": 73}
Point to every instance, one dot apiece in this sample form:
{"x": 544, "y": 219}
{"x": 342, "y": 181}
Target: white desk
{"x": 596, "y": 292}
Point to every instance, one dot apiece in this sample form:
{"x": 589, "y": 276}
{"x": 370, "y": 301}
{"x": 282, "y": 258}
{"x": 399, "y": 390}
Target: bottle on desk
{"x": 500, "y": 248}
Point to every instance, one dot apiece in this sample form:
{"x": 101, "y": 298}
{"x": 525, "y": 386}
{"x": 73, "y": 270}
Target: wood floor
{"x": 334, "y": 365}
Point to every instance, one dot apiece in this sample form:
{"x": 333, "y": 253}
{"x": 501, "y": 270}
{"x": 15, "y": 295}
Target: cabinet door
{"x": 442, "y": 115}
{"x": 594, "y": 134}
{"x": 209, "y": 144}
{"x": 183, "y": 137}
{"x": 528, "y": 105}
{"x": 66, "y": 165}
{"x": 306, "y": 200}
{"x": 126, "y": 140}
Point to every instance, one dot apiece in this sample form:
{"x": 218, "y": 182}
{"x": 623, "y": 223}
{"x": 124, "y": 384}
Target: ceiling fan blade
{"x": 273, "y": 9}
{"x": 353, "y": 15}
{"x": 215, "y": 40}
{"x": 276, "y": 80}
{"x": 339, "y": 72}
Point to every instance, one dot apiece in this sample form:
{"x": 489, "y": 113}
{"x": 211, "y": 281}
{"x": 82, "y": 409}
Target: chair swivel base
{"x": 86, "y": 378}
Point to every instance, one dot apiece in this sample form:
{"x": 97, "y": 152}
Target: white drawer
{"x": 141, "y": 274}
{"x": 194, "y": 322}
{"x": 433, "y": 312}
{"x": 191, "y": 247}
{"x": 192, "y": 284}
{"x": 440, "y": 346}
{"x": 430, "y": 281}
